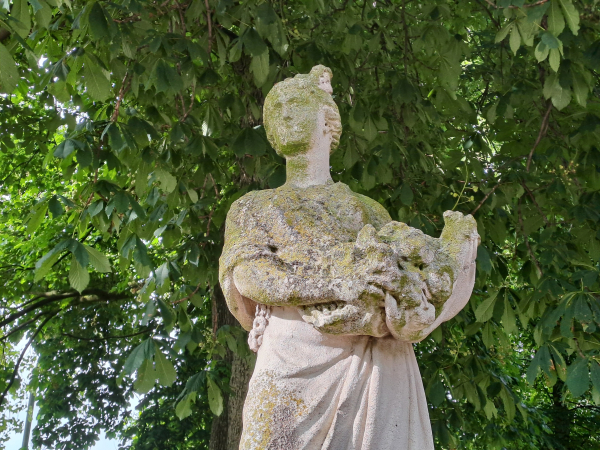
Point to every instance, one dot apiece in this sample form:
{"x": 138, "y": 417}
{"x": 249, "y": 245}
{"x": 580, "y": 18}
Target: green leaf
{"x": 98, "y": 260}
{"x": 9, "y": 75}
{"x": 45, "y": 263}
{"x": 184, "y": 407}
{"x": 487, "y": 335}
{"x": 485, "y": 310}
{"x": 97, "y": 85}
{"x": 78, "y": 250}
{"x": 253, "y": 43}
{"x": 143, "y": 351}
{"x": 437, "y": 393}
{"x": 37, "y": 217}
{"x": 541, "y": 51}
{"x": 43, "y": 16}
{"x": 509, "y": 403}
{"x": 554, "y": 59}
{"x": 578, "y": 377}
{"x": 215, "y": 397}
{"x": 260, "y": 68}
{"x": 146, "y": 376}
{"x": 193, "y": 195}
{"x": 501, "y": 35}
{"x": 541, "y": 361}
{"x": 560, "y": 96}
{"x": 20, "y": 12}
{"x": 406, "y": 194}
{"x": 98, "y": 22}
{"x": 595, "y": 372}
{"x": 370, "y": 130}
{"x": 55, "y": 207}
{"x": 164, "y": 368}
{"x": 95, "y": 208}
{"x": 166, "y": 312}
{"x": 571, "y": 15}
{"x": 79, "y": 277}
{"x": 556, "y": 21}
{"x": 166, "y": 78}
{"x": 168, "y": 182}
{"x": 249, "y": 141}
{"x": 515, "y": 40}
{"x": 580, "y": 87}
{"x": 484, "y": 263}
{"x": 36, "y": 5}
{"x": 550, "y": 40}
{"x": 509, "y": 319}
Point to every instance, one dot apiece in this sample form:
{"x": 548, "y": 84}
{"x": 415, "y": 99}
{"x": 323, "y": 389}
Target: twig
{"x": 21, "y": 356}
{"x": 215, "y": 186}
{"x": 489, "y": 14}
{"x": 546, "y": 221}
{"x": 124, "y": 88}
{"x": 107, "y": 337}
{"x": 209, "y": 21}
{"x": 526, "y": 239}
{"x": 183, "y": 28}
{"x": 24, "y": 325}
{"x": 531, "y": 5}
{"x": 133, "y": 18}
{"x": 187, "y": 297}
{"x": 485, "y": 198}
{"x": 541, "y": 134}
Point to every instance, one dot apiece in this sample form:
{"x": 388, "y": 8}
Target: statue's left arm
{"x": 439, "y": 275}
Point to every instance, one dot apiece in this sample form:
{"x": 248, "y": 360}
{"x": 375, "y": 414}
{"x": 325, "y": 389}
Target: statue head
{"x": 298, "y": 109}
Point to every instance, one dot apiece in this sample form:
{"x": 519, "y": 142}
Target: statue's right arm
{"x": 251, "y": 270}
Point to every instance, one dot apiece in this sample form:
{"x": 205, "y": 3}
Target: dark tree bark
{"x": 227, "y": 428}
{"x": 561, "y": 417}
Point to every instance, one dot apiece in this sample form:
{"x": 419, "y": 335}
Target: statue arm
{"x": 439, "y": 275}
{"x": 270, "y": 281}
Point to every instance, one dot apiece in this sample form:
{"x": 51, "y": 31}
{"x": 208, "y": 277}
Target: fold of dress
{"x": 313, "y": 391}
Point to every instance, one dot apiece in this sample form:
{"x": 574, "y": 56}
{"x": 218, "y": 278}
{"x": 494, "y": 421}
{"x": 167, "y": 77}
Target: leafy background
{"x": 129, "y": 127}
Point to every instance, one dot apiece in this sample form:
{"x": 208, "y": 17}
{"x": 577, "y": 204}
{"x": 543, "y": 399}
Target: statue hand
{"x": 460, "y": 238}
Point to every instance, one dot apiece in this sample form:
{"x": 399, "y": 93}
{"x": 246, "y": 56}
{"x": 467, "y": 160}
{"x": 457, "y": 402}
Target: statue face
{"x": 294, "y": 122}
{"x": 299, "y": 110}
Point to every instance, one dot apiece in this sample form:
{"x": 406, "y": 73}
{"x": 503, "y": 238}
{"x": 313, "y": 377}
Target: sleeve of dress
{"x": 244, "y": 241}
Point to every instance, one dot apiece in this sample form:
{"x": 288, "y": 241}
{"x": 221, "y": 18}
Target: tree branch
{"x": 4, "y": 34}
{"x": 541, "y": 134}
{"x": 485, "y": 198}
{"x": 88, "y": 295}
{"x": 20, "y": 327}
{"x": 21, "y": 356}
{"x": 107, "y": 337}
{"x": 546, "y": 221}
{"x": 526, "y": 239}
{"x": 531, "y": 5}
{"x": 209, "y": 21}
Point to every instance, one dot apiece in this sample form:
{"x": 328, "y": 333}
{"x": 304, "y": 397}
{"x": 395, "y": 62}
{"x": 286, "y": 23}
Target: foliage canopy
{"x": 129, "y": 127}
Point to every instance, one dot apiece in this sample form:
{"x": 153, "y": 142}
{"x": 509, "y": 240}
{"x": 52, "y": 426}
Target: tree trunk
{"x": 561, "y": 417}
{"x": 227, "y": 428}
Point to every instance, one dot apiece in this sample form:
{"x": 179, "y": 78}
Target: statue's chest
{"x": 320, "y": 220}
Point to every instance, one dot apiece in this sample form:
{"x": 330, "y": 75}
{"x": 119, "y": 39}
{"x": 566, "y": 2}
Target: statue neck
{"x": 310, "y": 168}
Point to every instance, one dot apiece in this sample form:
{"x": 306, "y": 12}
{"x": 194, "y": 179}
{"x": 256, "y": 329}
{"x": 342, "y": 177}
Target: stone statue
{"x": 334, "y": 293}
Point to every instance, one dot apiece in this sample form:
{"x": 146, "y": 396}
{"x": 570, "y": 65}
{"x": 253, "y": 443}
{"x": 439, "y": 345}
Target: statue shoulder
{"x": 252, "y": 202}
{"x": 378, "y": 215}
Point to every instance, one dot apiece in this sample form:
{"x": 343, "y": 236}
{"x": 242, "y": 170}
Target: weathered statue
{"x": 334, "y": 293}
